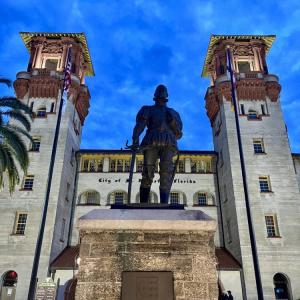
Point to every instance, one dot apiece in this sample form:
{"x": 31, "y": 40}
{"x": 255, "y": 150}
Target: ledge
{"x": 143, "y": 219}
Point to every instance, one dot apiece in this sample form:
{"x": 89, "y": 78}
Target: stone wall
{"x": 104, "y": 255}
{"x": 178, "y": 241}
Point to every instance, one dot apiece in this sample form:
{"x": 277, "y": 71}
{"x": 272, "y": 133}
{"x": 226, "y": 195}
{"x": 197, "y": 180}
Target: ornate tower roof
{"x": 27, "y": 37}
{"x": 215, "y": 38}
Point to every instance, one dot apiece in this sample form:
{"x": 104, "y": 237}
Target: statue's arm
{"x": 141, "y": 122}
{"x": 175, "y": 123}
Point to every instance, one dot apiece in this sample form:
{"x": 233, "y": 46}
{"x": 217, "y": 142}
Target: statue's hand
{"x": 135, "y": 144}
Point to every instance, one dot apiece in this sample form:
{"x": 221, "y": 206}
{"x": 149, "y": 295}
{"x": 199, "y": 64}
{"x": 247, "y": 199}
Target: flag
{"x": 67, "y": 79}
{"x": 231, "y": 75}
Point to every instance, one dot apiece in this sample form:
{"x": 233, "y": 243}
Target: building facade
{"x": 207, "y": 180}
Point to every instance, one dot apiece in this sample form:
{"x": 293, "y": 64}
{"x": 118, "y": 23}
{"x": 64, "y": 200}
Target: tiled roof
{"x": 66, "y": 259}
{"x": 226, "y": 261}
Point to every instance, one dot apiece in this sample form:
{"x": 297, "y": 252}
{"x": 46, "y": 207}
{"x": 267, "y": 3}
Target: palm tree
{"x": 13, "y": 150}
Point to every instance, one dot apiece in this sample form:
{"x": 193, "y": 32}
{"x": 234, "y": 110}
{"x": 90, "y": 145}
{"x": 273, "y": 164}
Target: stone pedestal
{"x": 116, "y": 242}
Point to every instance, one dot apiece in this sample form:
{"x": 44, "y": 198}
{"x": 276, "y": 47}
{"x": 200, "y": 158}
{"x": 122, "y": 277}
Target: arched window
{"x": 202, "y": 198}
{"x": 117, "y": 197}
{"x": 282, "y": 287}
{"x": 9, "y": 282}
{"x": 177, "y": 197}
{"x": 153, "y": 198}
{"x": 89, "y": 198}
{"x": 41, "y": 112}
{"x": 252, "y": 114}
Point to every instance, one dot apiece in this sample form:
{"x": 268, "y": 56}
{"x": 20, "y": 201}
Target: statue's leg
{"x": 150, "y": 158}
{"x": 166, "y": 173}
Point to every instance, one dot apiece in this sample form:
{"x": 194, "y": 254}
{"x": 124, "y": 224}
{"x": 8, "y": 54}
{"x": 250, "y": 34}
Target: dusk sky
{"x": 136, "y": 45}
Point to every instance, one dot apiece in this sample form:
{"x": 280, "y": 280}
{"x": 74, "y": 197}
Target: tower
{"x": 272, "y": 184}
{"x": 40, "y": 88}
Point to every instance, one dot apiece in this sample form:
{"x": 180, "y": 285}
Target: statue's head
{"x": 161, "y": 93}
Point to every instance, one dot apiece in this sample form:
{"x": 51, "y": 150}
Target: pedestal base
{"x": 117, "y": 242}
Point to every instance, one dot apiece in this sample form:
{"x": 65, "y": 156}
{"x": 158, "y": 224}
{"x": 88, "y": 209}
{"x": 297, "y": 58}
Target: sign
{"x": 125, "y": 180}
{"x": 46, "y": 290}
{"x": 147, "y": 286}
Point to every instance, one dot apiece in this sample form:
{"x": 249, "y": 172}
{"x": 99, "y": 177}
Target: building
{"x": 207, "y": 180}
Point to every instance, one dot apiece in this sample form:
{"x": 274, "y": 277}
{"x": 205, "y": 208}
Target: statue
{"x": 164, "y": 128}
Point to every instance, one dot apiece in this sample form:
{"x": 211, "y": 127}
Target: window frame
{"x": 17, "y": 223}
{"x": 262, "y": 180}
{"x": 34, "y": 143}
{"x": 199, "y": 194}
{"x": 41, "y": 112}
{"x": 28, "y": 177}
{"x": 177, "y": 201}
{"x": 258, "y": 141}
{"x": 274, "y": 232}
{"x": 119, "y": 165}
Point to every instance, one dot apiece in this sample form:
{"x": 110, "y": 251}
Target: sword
{"x": 134, "y": 150}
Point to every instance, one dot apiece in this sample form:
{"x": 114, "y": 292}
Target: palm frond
{"x": 13, "y": 140}
{"x": 9, "y": 167}
{"x": 13, "y": 174}
{"x": 14, "y": 103}
{"x": 6, "y": 81}
{"x": 19, "y": 130}
{"x": 18, "y": 115}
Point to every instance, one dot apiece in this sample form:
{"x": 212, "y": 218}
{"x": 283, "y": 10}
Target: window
{"x": 119, "y": 165}
{"x": 174, "y": 198}
{"x": 31, "y": 106}
{"x": 91, "y": 165}
{"x": 89, "y": 198}
{"x": 119, "y": 197}
{"x": 258, "y": 146}
{"x": 139, "y": 166}
{"x": 200, "y": 166}
{"x": 62, "y": 233}
{"x": 264, "y": 184}
{"x": 202, "y": 199}
{"x": 85, "y": 165}
{"x": 52, "y": 107}
{"x": 252, "y": 114}
{"x": 271, "y": 225}
{"x": 20, "y": 225}
{"x": 92, "y": 198}
{"x": 28, "y": 182}
{"x": 41, "y": 112}
{"x": 263, "y": 112}
{"x": 229, "y": 234}
{"x": 244, "y": 67}
{"x": 51, "y": 64}
{"x": 35, "y": 145}
{"x": 181, "y": 166}
{"x": 112, "y": 165}
{"x": 242, "y": 109}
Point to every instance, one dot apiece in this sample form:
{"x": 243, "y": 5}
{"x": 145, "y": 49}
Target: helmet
{"x": 161, "y": 92}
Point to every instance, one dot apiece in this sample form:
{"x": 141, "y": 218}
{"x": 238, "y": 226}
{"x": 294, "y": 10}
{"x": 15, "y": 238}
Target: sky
{"x": 136, "y": 45}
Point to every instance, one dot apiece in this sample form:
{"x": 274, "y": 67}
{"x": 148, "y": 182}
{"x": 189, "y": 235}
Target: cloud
{"x": 137, "y": 44}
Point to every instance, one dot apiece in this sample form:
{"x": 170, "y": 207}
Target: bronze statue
{"x": 164, "y": 128}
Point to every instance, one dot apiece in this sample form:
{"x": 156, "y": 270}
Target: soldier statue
{"x": 164, "y": 128}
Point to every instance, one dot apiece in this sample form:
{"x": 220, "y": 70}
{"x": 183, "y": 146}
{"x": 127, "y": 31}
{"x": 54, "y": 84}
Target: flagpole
{"x": 244, "y": 177}
{"x": 37, "y": 254}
